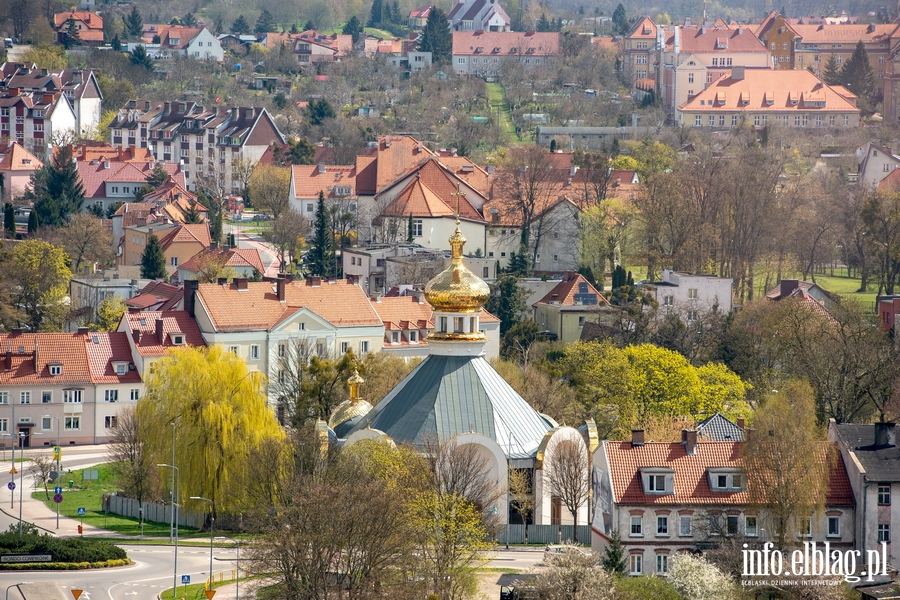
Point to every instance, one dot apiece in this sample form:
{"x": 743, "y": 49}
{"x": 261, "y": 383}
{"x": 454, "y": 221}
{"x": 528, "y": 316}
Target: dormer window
{"x": 177, "y": 338}
{"x": 121, "y": 367}
{"x": 413, "y": 337}
{"x": 725, "y": 480}
{"x": 658, "y": 480}
{"x": 55, "y": 369}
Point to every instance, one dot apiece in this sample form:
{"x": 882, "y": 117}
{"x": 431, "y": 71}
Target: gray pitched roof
{"x": 446, "y": 396}
{"x": 882, "y": 463}
{"x": 719, "y": 429}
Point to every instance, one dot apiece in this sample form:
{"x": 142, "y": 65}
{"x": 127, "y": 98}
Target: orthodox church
{"x": 455, "y": 395}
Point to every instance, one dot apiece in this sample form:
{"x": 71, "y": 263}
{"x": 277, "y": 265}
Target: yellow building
{"x": 562, "y": 313}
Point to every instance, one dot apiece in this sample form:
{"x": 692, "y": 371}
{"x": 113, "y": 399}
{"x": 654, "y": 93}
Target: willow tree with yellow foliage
{"x": 221, "y": 419}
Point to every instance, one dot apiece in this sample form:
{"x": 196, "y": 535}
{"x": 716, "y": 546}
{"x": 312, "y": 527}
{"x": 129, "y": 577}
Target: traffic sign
{"x": 77, "y": 593}
{"x": 57, "y": 489}
{"x": 57, "y": 498}
{"x": 11, "y": 485}
{"x": 185, "y": 579}
{"x": 210, "y": 594}
{"x": 81, "y": 511}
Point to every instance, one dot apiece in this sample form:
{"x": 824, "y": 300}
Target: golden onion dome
{"x": 348, "y": 409}
{"x": 457, "y": 289}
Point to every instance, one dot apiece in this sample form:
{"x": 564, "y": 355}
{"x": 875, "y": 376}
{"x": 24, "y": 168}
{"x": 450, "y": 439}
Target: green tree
{"x": 614, "y": 559}
{"x": 265, "y": 22}
{"x": 410, "y": 231}
{"x": 54, "y": 56}
{"x": 116, "y": 45}
{"x": 33, "y": 222}
{"x": 831, "y": 73}
{"x": 109, "y": 313}
{"x": 620, "y": 22}
{"x": 543, "y": 24}
{"x": 641, "y": 588}
{"x": 269, "y": 187}
{"x": 9, "y": 220}
{"x": 376, "y": 15}
{"x": 320, "y": 110}
{"x": 353, "y": 27}
{"x": 189, "y": 20}
{"x": 56, "y": 189}
{"x": 221, "y": 417}
{"x": 240, "y": 26}
{"x": 858, "y": 77}
{"x": 321, "y": 255}
{"x": 192, "y": 215}
{"x": 153, "y": 261}
{"x": 507, "y": 302}
{"x": 85, "y": 240}
{"x": 72, "y": 36}
{"x": 436, "y": 37}
{"x": 38, "y": 275}
{"x": 134, "y": 24}
{"x": 140, "y": 58}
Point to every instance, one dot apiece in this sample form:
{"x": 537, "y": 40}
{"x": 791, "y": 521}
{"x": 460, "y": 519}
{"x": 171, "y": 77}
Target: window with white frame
{"x": 636, "y": 566}
{"x": 684, "y": 525}
{"x": 417, "y": 227}
{"x": 233, "y": 349}
{"x": 834, "y": 526}
{"x": 345, "y": 346}
{"x": 46, "y": 423}
{"x": 121, "y": 368}
{"x": 363, "y": 346}
{"x": 4, "y": 397}
{"x": 662, "y": 564}
{"x": 413, "y": 336}
{"x": 111, "y": 396}
{"x": 254, "y": 352}
{"x": 4, "y": 425}
{"x": 662, "y": 525}
{"x": 73, "y": 423}
{"x": 281, "y": 350}
{"x": 135, "y": 394}
{"x": 884, "y": 533}
{"x": 751, "y": 528}
{"x": 55, "y": 369}
{"x": 668, "y": 300}
{"x": 884, "y": 495}
{"x": 24, "y": 397}
{"x": 72, "y": 396}
{"x": 637, "y": 525}
{"x": 110, "y": 421}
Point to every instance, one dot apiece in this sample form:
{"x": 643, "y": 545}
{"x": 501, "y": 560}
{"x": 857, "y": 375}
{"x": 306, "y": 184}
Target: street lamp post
{"x": 212, "y": 520}
{"x": 175, "y": 491}
{"x": 21, "y": 478}
{"x": 57, "y": 453}
{"x": 237, "y": 566}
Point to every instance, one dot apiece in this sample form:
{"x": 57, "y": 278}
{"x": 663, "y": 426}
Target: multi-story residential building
{"x": 418, "y": 17}
{"x": 35, "y": 119}
{"x": 208, "y": 141}
{"x": 481, "y": 52}
{"x": 88, "y": 24}
{"x": 669, "y": 497}
{"x": 870, "y": 453}
{"x": 815, "y": 43}
{"x": 312, "y": 47}
{"x": 779, "y": 36}
{"x": 109, "y": 182}
{"x": 337, "y": 183}
{"x": 16, "y": 166}
{"x": 588, "y": 138}
{"x": 408, "y": 320}
{"x": 153, "y": 334}
{"x": 78, "y": 86}
{"x": 691, "y": 296}
{"x": 769, "y": 97}
{"x": 262, "y": 323}
{"x": 563, "y": 312}
{"x": 65, "y": 388}
{"x": 874, "y": 163}
{"x": 179, "y": 242}
{"x": 477, "y": 15}
{"x": 192, "y": 42}
{"x": 86, "y": 293}
{"x": 640, "y": 51}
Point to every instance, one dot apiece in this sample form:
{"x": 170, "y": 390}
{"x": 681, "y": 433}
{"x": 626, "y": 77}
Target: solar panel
{"x": 586, "y": 298}
{"x": 582, "y": 287}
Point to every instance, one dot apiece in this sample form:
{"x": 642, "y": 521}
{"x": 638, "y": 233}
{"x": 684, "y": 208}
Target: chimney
{"x": 82, "y": 331}
{"x": 885, "y": 435}
{"x": 419, "y": 295}
{"x": 573, "y": 169}
{"x": 222, "y": 281}
{"x": 190, "y": 301}
{"x": 279, "y": 289}
{"x": 332, "y": 279}
{"x": 321, "y": 168}
{"x": 241, "y": 283}
{"x": 105, "y": 164}
{"x": 376, "y": 296}
{"x": 737, "y": 73}
{"x": 314, "y": 281}
{"x": 167, "y": 107}
{"x": 37, "y": 362}
{"x": 7, "y": 364}
{"x": 136, "y": 336}
{"x": 160, "y": 336}
{"x": 637, "y": 437}
{"x": 490, "y": 169}
{"x": 788, "y": 286}
{"x": 419, "y": 148}
{"x": 740, "y": 422}
{"x": 387, "y": 141}
{"x": 689, "y": 437}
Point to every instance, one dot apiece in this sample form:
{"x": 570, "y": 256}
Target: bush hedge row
{"x": 69, "y": 566}
{"x": 64, "y": 550}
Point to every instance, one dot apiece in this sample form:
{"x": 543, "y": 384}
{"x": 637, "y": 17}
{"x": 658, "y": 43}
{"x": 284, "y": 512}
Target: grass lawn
{"x": 379, "y": 33}
{"x": 89, "y": 495}
{"x": 847, "y": 287}
{"x": 497, "y": 101}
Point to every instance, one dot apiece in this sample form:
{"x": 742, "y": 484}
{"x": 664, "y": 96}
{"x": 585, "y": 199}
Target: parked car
{"x": 518, "y": 593}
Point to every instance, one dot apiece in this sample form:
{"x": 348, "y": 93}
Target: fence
{"x": 153, "y": 512}
{"x": 543, "y": 534}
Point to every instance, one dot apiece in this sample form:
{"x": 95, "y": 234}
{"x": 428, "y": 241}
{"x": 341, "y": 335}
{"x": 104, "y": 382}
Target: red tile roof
{"x": 691, "y": 481}
{"x": 418, "y": 200}
{"x": 403, "y": 313}
{"x": 105, "y": 348}
{"x": 564, "y": 292}
{"x": 847, "y": 33}
{"x": 186, "y": 233}
{"x": 309, "y": 181}
{"x": 645, "y": 28}
{"x": 95, "y": 174}
{"x": 257, "y": 308}
{"x": 20, "y": 159}
{"x": 716, "y": 39}
{"x": 234, "y": 257}
{"x": 154, "y": 292}
{"x": 505, "y": 43}
{"x": 66, "y": 349}
{"x": 174, "y": 321}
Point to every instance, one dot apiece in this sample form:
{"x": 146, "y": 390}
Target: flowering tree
{"x": 574, "y": 574}
{"x": 695, "y": 578}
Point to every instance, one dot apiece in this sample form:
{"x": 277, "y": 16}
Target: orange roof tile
{"x": 20, "y": 159}
{"x": 564, "y": 292}
{"x": 174, "y": 321}
{"x": 234, "y": 257}
{"x": 257, "y": 308}
{"x": 716, "y": 39}
{"x": 309, "y": 180}
{"x": 405, "y": 312}
{"x": 418, "y": 200}
{"x": 154, "y": 292}
{"x": 105, "y": 348}
{"x": 186, "y": 233}
{"x": 65, "y": 349}
{"x": 847, "y": 33}
{"x": 505, "y": 43}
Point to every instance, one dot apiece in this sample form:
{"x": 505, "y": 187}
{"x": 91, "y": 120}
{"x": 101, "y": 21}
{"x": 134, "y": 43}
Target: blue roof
{"x": 446, "y": 396}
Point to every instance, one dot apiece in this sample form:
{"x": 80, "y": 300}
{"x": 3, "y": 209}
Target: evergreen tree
{"x": 620, "y": 21}
{"x": 319, "y": 111}
{"x": 116, "y": 43}
{"x": 543, "y": 24}
{"x": 153, "y": 261}
{"x": 396, "y": 16}
{"x": 436, "y": 37}
{"x": 33, "y": 222}
{"x": 219, "y": 26}
{"x": 134, "y": 24}
{"x": 301, "y": 152}
{"x": 294, "y": 30}
{"x": 410, "y": 238}
{"x": 376, "y": 14}
{"x": 309, "y": 26}
{"x": 507, "y": 301}
{"x": 265, "y": 22}
{"x": 192, "y": 214}
{"x": 140, "y": 58}
{"x": 519, "y": 263}
{"x": 831, "y": 73}
{"x": 71, "y": 35}
{"x": 857, "y": 73}
{"x": 56, "y": 189}
{"x": 619, "y": 277}
{"x": 157, "y": 176}
{"x": 321, "y": 255}
{"x": 353, "y": 27}
{"x": 189, "y": 20}
{"x": 240, "y": 26}
{"x": 9, "y": 220}
{"x": 614, "y": 557}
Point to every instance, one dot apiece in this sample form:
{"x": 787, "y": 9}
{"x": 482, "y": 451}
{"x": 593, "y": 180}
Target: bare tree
{"x": 39, "y": 468}
{"x": 270, "y": 190}
{"x": 285, "y": 235}
{"x": 574, "y": 574}
{"x": 568, "y": 472}
{"x": 521, "y": 496}
{"x": 85, "y": 239}
{"x": 132, "y": 466}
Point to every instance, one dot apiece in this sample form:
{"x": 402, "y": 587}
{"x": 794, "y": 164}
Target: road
{"x": 244, "y": 240}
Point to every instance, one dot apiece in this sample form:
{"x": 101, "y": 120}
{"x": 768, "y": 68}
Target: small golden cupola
{"x": 349, "y": 412}
{"x": 456, "y": 296}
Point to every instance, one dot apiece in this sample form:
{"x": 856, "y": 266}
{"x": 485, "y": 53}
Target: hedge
{"x": 69, "y": 550}
{"x": 69, "y": 566}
